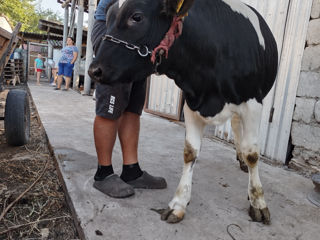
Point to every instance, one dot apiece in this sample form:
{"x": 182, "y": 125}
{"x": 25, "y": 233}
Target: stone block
{"x": 317, "y": 111}
{"x": 311, "y": 59}
{"x": 309, "y": 84}
{"x": 315, "y": 12}
{"x": 304, "y": 109}
{"x": 313, "y": 36}
{"x": 306, "y": 136}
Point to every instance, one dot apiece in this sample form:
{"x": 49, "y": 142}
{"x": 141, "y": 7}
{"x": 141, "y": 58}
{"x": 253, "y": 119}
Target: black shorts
{"x": 112, "y": 101}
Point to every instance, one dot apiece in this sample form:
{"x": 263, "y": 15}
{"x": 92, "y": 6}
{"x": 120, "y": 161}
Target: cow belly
{"x": 228, "y": 110}
{"x": 222, "y": 116}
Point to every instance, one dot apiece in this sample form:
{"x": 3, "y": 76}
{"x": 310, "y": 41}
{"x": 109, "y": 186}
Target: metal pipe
{"x": 65, "y": 25}
{"x": 50, "y": 56}
{"x": 89, "y": 53}
{"x": 78, "y": 44}
{"x": 72, "y": 18}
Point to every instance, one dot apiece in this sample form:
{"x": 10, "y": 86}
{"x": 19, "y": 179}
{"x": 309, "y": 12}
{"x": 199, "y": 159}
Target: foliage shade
{"x": 25, "y": 11}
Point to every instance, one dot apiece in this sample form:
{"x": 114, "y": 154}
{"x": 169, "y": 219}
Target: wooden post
{"x": 78, "y": 44}
{"x": 89, "y": 53}
{"x": 65, "y": 25}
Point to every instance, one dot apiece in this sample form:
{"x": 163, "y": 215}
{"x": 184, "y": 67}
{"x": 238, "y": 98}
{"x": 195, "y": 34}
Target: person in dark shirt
{"x": 118, "y": 110}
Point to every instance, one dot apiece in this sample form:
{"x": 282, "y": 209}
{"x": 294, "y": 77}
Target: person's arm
{"x": 35, "y": 65}
{"x": 75, "y": 55}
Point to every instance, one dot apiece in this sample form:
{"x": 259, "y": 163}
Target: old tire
{"x": 17, "y": 118}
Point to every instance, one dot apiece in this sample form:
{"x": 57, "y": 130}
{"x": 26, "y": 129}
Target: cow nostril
{"x": 95, "y": 72}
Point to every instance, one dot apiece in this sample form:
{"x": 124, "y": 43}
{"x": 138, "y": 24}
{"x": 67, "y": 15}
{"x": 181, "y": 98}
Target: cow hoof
{"x": 172, "y": 216}
{"x": 260, "y": 215}
{"x": 243, "y": 166}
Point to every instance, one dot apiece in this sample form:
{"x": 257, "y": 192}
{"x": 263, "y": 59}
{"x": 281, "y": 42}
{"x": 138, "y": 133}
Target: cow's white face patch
{"x": 121, "y": 2}
{"x": 247, "y": 12}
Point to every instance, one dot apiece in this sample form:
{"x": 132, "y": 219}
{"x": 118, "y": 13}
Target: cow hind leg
{"x": 251, "y": 115}
{"x": 194, "y": 132}
{"x": 237, "y": 128}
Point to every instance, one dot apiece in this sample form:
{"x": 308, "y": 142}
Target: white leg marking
{"x": 183, "y": 192}
{"x": 255, "y": 191}
{"x": 236, "y": 125}
{"x": 239, "y": 7}
{"x": 194, "y": 133}
{"x": 250, "y": 113}
{"x": 194, "y": 127}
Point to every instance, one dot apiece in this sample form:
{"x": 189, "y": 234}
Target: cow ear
{"x": 177, "y": 7}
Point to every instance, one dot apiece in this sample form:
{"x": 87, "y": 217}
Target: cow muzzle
{"x": 95, "y": 72}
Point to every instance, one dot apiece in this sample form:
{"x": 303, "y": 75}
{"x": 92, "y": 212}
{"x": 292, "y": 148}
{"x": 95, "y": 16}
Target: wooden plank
{"x": 13, "y": 41}
{"x": 5, "y": 34}
{"x": 275, "y": 14}
{"x": 164, "y": 98}
{"x": 4, "y": 48}
{"x": 286, "y": 88}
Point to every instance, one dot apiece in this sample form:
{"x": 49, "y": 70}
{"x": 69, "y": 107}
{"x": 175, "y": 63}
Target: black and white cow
{"x": 225, "y": 61}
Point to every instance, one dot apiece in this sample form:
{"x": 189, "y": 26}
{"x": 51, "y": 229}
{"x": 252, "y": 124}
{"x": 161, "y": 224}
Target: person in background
{"x": 54, "y": 71}
{"x": 55, "y": 76}
{"x": 38, "y": 67}
{"x": 66, "y": 63}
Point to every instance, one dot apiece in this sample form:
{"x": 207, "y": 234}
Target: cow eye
{"x": 136, "y": 17}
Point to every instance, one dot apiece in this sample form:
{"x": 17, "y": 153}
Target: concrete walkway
{"x": 219, "y": 194}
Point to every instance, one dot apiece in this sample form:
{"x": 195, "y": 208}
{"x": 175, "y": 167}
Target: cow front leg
{"x": 177, "y": 206}
{"x": 194, "y": 132}
{"x": 251, "y": 116}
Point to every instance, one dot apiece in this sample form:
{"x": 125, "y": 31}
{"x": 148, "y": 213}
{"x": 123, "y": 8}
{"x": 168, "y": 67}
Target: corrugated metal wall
{"x": 164, "y": 97}
{"x": 288, "y": 20}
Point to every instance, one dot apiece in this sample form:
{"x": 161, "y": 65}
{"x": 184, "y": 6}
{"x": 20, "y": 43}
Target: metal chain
{"x": 143, "y": 51}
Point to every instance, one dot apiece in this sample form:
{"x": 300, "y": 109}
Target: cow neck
{"x": 173, "y": 33}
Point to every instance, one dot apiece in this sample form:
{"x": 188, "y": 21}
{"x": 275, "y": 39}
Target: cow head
{"x": 142, "y": 23}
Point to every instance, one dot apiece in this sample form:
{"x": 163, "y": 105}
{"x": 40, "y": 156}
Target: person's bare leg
{"x": 38, "y": 78}
{"x": 59, "y": 81}
{"x": 54, "y": 74}
{"x": 105, "y": 133}
{"x": 129, "y": 129}
{"x": 68, "y": 80}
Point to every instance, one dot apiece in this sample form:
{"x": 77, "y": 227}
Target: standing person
{"x": 38, "y": 67}
{"x": 54, "y": 70}
{"x": 55, "y": 76}
{"x": 66, "y": 63}
{"x": 127, "y": 102}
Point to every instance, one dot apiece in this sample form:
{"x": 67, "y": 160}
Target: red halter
{"x": 173, "y": 33}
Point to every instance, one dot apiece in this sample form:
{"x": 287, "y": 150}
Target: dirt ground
{"x": 42, "y": 212}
